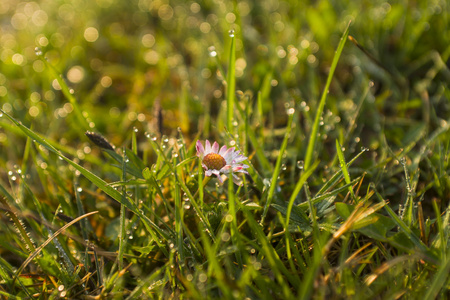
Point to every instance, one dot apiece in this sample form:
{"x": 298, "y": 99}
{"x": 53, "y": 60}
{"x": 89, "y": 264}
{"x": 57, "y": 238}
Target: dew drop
{"x": 212, "y": 51}
{"x": 135, "y": 129}
{"x": 300, "y": 164}
{"x": 1, "y": 114}
{"x": 291, "y": 111}
{"x": 79, "y": 189}
{"x": 165, "y": 139}
{"x": 38, "y": 51}
{"x": 231, "y": 32}
{"x": 364, "y": 149}
{"x": 283, "y": 167}
{"x": 71, "y": 91}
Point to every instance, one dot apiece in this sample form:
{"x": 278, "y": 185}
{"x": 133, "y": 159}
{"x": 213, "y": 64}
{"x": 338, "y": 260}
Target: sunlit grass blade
{"x": 179, "y": 213}
{"x": 20, "y": 227}
{"x": 231, "y": 82}
{"x": 276, "y": 171}
{"x": 409, "y": 233}
{"x": 315, "y": 129}
{"x": 232, "y": 214}
{"x": 297, "y": 189}
{"x": 214, "y": 264}
{"x": 257, "y": 144}
{"x": 337, "y": 176}
{"x": 39, "y": 249}
{"x": 100, "y": 183}
{"x": 344, "y": 167}
{"x": 122, "y": 223}
{"x": 439, "y": 280}
{"x": 278, "y": 268}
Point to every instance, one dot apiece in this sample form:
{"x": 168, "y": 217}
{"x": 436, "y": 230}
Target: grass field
{"x": 339, "y": 110}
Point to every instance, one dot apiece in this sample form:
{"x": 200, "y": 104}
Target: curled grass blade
{"x": 39, "y": 249}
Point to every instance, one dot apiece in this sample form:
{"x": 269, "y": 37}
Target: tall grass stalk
{"x": 315, "y": 128}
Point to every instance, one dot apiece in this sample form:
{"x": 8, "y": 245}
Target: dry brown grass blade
{"x": 386, "y": 266}
{"x": 39, "y": 249}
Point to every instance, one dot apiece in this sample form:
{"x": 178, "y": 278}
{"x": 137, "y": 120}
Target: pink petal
{"x": 220, "y": 178}
{"x": 225, "y": 169}
{"x": 223, "y": 150}
{"x": 239, "y": 159}
{"x": 200, "y": 149}
{"x": 207, "y": 147}
{"x": 215, "y": 147}
{"x": 228, "y": 155}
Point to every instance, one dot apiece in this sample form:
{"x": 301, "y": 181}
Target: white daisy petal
{"x": 228, "y": 155}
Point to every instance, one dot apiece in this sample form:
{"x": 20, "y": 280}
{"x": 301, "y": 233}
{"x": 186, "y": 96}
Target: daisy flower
{"x": 223, "y": 161}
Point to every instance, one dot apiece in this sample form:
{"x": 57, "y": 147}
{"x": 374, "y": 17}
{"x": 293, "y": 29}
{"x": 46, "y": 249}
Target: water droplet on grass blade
{"x": 38, "y": 51}
{"x": 231, "y": 32}
{"x": 212, "y": 51}
{"x": 364, "y": 149}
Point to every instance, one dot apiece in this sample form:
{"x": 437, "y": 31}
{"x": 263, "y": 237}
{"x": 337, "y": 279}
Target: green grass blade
{"x": 405, "y": 228}
{"x": 276, "y": 171}
{"x": 439, "y": 280}
{"x": 231, "y": 83}
{"x": 123, "y": 223}
{"x": 344, "y": 167}
{"x": 297, "y": 189}
{"x": 315, "y": 129}
{"x": 273, "y": 260}
{"x": 100, "y": 183}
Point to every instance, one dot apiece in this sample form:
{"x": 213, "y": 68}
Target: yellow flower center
{"x": 214, "y": 161}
